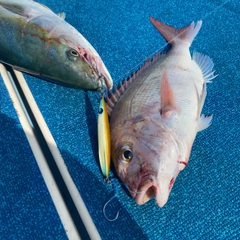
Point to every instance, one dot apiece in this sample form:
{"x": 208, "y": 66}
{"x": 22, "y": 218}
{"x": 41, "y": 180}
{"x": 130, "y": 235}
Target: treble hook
{"x": 104, "y": 212}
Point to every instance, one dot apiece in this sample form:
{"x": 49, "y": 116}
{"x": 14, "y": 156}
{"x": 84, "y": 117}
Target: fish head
{"x": 146, "y": 160}
{"x": 86, "y": 66}
{"x": 79, "y": 67}
{"x": 85, "y": 62}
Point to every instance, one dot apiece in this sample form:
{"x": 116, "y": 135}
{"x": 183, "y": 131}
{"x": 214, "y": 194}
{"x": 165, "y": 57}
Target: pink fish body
{"x": 155, "y": 119}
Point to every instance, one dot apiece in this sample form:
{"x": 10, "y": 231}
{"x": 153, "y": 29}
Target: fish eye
{"x": 73, "y": 54}
{"x": 127, "y": 154}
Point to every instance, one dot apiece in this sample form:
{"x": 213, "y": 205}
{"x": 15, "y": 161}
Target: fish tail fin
{"x": 172, "y": 35}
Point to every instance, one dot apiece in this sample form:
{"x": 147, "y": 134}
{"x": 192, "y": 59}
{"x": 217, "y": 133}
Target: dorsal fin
{"x": 114, "y": 95}
{"x": 166, "y": 95}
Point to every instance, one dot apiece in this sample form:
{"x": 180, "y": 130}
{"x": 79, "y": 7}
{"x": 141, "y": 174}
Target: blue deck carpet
{"x": 205, "y": 200}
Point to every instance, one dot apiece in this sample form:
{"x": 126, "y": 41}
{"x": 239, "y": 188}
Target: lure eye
{"x": 127, "y": 155}
{"x": 100, "y": 111}
{"x": 72, "y": 54}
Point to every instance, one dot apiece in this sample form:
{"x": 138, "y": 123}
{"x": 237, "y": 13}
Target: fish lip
{"x": 105, "y": 77}
{"x": 148, "y": 188}
{"x": 106, "y": 81}
{"x": 135, "y": 191}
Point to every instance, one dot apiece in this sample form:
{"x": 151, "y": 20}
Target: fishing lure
{"x": 104, "y": 138}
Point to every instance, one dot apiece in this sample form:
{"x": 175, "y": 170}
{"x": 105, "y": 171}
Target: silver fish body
{"x": 155, "y": 121}
{"x": 35, "y": 40}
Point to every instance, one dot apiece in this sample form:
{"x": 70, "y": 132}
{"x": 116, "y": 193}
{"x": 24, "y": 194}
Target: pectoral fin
{"x": 204, "y": 122}
{"x": 167, "y": 98}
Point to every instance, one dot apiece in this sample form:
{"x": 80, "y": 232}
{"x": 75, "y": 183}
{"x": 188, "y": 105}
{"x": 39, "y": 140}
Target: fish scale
{"x": 142, "y": 91}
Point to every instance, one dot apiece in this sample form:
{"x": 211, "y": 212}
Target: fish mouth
{"x": 100, "y": 71}
{"x": 105, "y": 78}
{"x": 148, "y": 188}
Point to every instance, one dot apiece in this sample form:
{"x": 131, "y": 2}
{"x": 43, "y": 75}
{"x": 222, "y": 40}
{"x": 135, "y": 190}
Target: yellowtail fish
{"x": 104, "y": 148}
{"x": 35, "y": 40}
{"x": 156, "y": 114}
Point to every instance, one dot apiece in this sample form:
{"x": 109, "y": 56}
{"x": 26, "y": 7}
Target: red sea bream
{"x": 156, "y": 114}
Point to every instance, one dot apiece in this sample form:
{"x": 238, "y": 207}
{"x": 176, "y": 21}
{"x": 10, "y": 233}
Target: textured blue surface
{"x": 26, "y": 208}
{"x": 204, "y": 202}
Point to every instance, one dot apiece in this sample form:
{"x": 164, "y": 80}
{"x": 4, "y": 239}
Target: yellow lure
{"x": 104, "y": 147}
